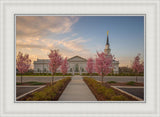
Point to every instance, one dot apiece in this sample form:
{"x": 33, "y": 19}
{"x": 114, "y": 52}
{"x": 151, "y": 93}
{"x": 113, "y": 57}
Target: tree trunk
{"x": 52, "y": 80}
{"x": 102, "y": 79}
{"x": 136, "y": 79}
{"x": 21, "y": 78}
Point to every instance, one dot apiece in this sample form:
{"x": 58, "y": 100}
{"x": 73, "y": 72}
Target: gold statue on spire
{"x": 107, "y": 33}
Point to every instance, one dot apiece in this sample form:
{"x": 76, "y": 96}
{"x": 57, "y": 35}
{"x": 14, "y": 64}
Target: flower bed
{"x": 48, "y": 93}
{"x": 105, "y": 93}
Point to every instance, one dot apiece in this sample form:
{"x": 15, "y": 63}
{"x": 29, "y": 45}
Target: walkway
{"x": 77, "y": 90}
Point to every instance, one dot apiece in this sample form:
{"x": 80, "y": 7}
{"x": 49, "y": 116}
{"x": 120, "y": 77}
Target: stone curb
{"x": 29, "y": 92}
{"x": 133, "y": 96}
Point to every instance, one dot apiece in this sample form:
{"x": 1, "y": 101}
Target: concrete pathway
{"x": 77, "y": 90}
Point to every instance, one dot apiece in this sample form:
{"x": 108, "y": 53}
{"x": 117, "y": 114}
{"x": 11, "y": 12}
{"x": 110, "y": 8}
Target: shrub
{"x": 119, "y": 98}
{"x": 49, "y": 92}
{"x": 85, "y": 74}
{"x": 95, "y": 74}
{"x": 109, "y": 93}
{"x": 111, "y": 82}
{"x": 109, "y": 74}
{"x": 76, "y": 74}
{"x": 132, "y": 83}
{"x": 99, "y": 89}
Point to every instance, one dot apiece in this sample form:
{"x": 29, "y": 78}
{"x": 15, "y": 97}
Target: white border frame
{"x": 150, "y": 8}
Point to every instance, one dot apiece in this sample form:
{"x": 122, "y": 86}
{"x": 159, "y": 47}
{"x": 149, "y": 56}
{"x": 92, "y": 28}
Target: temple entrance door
{"x": 77, "y": 70}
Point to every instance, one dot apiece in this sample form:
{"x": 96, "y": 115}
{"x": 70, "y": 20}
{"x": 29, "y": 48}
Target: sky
{"x": 80, "y": 35}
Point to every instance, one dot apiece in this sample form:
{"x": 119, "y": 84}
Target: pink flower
{"x": 22, "y": 62}
{"x": 137, "y": 66}
{"x": 103, "y": 64}
{"x": 64, "y": 66}
{"x": 55, "y": 61}
{"x": 90, "y": 67}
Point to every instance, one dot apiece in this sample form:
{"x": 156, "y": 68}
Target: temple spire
{"x": 107, "y": 39}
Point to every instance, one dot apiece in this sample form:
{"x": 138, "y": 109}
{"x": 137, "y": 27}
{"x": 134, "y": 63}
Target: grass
{"x": 132, "y": 83}
{"x": 18, "y": 83}
{"x": 35, "y": 83}
{"x": 31, "y": 83}
{"x": 112, "y": 82}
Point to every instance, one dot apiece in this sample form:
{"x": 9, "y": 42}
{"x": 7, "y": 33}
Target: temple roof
{"x": 77, "y": 58}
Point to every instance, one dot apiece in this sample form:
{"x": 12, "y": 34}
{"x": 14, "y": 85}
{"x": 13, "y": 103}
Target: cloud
{"x": 74, "y": 34}
{"x": 39, "y": 26}
{"x": 31, "y": 31}
{"x": 29, "y": 46}
{"x": 68, "y": 47}
{"x": 32, "y": 36}
{"x": 74, "y": 44}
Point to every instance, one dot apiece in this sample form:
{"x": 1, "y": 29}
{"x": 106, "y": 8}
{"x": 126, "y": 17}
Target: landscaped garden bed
{"x": 48, "y": 93}
{"x": 104, "y": 92}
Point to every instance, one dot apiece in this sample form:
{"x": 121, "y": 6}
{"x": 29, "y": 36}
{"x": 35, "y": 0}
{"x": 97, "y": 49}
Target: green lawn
{"x": 31, "y": 83}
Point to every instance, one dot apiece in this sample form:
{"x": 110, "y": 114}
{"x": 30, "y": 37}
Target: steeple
{"x": 107, "y": 49}
{"x": 107, "y": 43}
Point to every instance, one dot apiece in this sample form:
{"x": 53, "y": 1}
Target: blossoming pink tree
{"x": 64, "y": 66}
{"x": 103, "y": 64}
{"x": 89, "y": 66}
{"x": 55, "y": 62}
{"x": 22, "y": 63}
{"x": 137, "y": 66}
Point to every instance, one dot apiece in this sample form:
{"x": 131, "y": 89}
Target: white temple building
{"x": 77, "y": 64}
